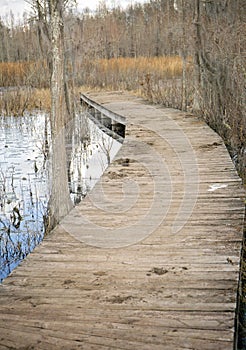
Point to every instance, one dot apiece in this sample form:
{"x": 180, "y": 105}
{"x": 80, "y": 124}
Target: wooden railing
{"x": 106, "y": 112}
{"x": 111, "y": 123}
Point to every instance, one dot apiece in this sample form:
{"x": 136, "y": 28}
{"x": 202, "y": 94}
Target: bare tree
{"x": 51, "y": 15}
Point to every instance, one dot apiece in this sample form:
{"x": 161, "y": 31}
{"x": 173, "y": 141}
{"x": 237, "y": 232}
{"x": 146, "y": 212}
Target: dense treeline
{"x": 147, "y": 30}
{"x": 106, "y": 49}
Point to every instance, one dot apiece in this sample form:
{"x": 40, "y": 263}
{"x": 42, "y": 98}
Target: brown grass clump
{"x": 16, "y": 101}
{"x": 13, "y": 73}
{"x": 40, "y": 99}
{"x": 29, "y": 73}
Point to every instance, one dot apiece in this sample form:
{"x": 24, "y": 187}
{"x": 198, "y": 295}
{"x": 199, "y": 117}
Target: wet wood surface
{"x": 150, "y": 259}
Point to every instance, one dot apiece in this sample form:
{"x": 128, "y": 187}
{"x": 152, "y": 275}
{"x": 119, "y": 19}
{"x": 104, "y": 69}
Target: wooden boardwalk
{"x": 150, "y": 259}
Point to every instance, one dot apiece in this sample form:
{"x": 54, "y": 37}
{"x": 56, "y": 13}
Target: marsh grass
{"x": 16, "y": 101}
{"x": 129, "y": 73}
{"x": 14, "y": 73}
{"x": 155, "y": 78}
{"x": 23, "y": 87}
{"x": 158, "y": 79}
{"x": 28, "y": 73}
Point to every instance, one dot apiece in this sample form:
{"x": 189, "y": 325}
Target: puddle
{"x": 24, "y": 176}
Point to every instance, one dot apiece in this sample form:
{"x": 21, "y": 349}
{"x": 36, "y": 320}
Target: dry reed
{"x": 30, "y": 73}
{"x": 129, "y": 73}
{"x": 16, "y": 101}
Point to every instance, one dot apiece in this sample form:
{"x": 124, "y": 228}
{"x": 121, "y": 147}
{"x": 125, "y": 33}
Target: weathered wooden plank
{"x": 184, "y": 321}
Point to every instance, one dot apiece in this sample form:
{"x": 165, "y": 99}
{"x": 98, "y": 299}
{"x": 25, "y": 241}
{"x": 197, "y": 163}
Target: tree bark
{"x": 60, "y": 202}
{"x": 197, "y": 58}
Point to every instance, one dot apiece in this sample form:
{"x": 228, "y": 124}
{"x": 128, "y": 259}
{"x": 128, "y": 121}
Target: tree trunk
{"x": 197, "y": 58}
{"x": 60, "y": 202}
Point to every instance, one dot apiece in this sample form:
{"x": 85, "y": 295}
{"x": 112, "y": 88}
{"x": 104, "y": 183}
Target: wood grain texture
{"x": 115, "y": 274}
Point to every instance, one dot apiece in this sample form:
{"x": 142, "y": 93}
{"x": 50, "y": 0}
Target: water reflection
{"x": 89, "y": 152}
{"x": 24, "y": 177}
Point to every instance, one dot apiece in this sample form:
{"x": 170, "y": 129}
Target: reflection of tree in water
{"x": 106, "y": 145}
{"x": 89, "y": 152}
{"x": 78, "y": 140}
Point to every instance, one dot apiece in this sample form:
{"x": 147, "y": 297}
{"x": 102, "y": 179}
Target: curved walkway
{"x": 150, "y": 259}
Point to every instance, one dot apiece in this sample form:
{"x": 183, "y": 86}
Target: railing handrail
{"x": 116, "y": 117}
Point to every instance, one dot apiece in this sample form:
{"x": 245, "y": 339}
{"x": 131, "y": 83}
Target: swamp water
{"x": 25, "y": 176}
